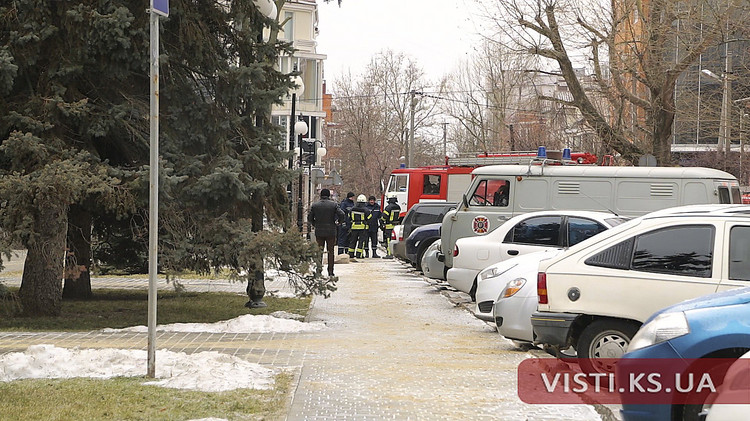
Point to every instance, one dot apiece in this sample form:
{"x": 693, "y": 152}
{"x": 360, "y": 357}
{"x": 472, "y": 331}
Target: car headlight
{"x": 513, "y": 287}
{"x": 664, "y": 327}
{"x": 493, "y": 271}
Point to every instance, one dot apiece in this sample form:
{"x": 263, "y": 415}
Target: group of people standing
{"x": 353, "y": 225}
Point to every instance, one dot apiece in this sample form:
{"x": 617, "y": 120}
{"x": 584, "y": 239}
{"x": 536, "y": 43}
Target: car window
{"x": 724, "y": 195}
{"x": 540, "y": 230}
{"x": 736, "y": 195}
{"x": 491, "y": 193}
{"x": 431, "y": 184}
{"x": 428, "y": 215}
{"x": 684, "y": 250}
{"x": 739, "y": 253}
{"x": 580, "y": 229}
{"x": 615, "y": 257}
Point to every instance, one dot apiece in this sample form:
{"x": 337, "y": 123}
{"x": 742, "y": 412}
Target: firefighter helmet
{"x": 361, "y": 198}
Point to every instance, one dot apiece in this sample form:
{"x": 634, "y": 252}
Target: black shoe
{"x": 375, "y": 255}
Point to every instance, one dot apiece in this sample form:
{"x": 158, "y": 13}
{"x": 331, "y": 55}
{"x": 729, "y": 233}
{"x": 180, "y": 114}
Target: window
{"x": 424, "y": 215}
{"x": 491, "y": 193}
{"x": 542, "y": 231}
{"x": 615, "y": 257}
{"x": 580, "y": 229}
{"x": 431, "y": 184}
{"x": 288, "y": 26}
{"x": 684, "y": 250}
{"x": 724, "y": 195}
{"x": 739, "y": 253}
{"x": 398, "y": 183}
{"x": 736, "y": 195}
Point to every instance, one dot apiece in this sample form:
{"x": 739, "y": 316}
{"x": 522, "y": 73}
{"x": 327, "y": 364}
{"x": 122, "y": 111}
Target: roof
{"x": 604, "y": 171}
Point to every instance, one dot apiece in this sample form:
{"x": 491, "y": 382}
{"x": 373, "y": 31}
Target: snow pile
{"x": 247, "y": 323}
{"x": 208, "y": 371}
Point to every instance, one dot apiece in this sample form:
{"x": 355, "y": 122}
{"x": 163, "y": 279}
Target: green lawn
{"x": 123, "y": 308}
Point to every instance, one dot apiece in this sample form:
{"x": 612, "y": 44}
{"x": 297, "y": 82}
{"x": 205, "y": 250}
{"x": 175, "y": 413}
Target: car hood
{"x": 719, "y": 299}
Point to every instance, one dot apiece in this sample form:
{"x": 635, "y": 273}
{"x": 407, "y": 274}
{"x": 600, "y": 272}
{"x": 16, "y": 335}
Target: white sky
{"x": 206, "y": 371}
{"x": 436, "y": 33}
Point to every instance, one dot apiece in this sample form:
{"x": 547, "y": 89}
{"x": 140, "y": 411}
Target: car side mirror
{"x": 465, "y": 202}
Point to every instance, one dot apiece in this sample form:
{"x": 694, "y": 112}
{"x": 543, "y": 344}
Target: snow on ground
{"x": 208, "y": 371}
{"x": 247, "y": 323}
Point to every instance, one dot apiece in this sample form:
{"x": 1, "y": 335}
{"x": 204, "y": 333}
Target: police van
{"x": 499, "y": 192}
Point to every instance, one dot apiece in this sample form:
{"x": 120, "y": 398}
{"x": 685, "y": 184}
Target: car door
{"x": 532, "y": 234}
{"x": 736, "y": 262}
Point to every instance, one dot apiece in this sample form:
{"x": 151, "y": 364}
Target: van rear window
{"x": 724, "y": 195}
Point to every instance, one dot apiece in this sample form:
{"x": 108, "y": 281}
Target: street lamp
{"x": 300, "y": 129}
{"x": 726, "y": 99}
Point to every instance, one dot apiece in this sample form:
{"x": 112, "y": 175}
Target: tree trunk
{"x": 41, "y": 284}
{"x": 77, "y": 275}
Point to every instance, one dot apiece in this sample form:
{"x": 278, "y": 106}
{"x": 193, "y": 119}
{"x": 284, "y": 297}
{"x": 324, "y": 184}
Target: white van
{"x": 499, "y": 192}
{"x": 595, "y": 296}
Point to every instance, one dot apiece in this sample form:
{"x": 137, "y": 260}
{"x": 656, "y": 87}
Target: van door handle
{"x": 513, "y": 252}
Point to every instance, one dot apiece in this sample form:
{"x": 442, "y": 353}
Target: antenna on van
{"x": 601, "y": 204}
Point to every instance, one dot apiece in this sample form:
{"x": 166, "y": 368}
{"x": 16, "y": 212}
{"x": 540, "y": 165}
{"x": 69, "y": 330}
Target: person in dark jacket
{"x": 324, "y": 216}
{"x": 372, "y": 230}
{"x": 343, "y": 232}
{"x": 360, "y": 219}
{"x": 389, "y": 219}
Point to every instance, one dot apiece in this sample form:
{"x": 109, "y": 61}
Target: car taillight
{"x": 400, "y": 238}
{"x": 455, "y": 250}
{"x": 541, "y": 287}
{"x": 393, "y": 235}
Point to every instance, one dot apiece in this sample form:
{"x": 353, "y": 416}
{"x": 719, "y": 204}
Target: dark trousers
{"x": 357, "y": 242}
{"x": 343, "y": 239}
{"x": 372, "y": 241}
{"x": 329, "y": 244}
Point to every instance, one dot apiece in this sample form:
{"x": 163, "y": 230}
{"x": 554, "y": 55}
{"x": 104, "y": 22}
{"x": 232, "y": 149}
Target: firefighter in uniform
{"x": 389, "y": 219}
{"x": 346, "y": 206}
{"x": 372, "y": 228}
{"x": 359, "y": 217}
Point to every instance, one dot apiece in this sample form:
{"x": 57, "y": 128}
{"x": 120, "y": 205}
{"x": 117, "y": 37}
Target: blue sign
{"x": 160, "y": 7}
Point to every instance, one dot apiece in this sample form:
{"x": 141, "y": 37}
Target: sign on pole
{"x": 160, "y": 7}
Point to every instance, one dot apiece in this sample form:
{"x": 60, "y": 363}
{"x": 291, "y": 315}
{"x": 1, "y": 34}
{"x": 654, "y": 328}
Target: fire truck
{"x": 447, "y": 183}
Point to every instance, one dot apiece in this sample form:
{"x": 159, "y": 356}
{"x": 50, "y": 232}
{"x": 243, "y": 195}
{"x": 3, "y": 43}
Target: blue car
{"x": 712, "y": 326}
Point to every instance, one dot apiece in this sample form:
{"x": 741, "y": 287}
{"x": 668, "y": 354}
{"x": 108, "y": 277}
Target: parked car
{"x": 595, "y": 296}
{"x": 515, "y": 296}
{"x": 396, "y": 245}
{"x": 711, "y": 326}
{"x": 431, "y": 266}
{"x": 526, "y": 233}
{"x": 419, "y": 215}
{"x": 418, "y": 241}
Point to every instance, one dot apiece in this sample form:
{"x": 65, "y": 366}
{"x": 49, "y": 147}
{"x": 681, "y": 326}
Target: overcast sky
{"x": 437, "y": 33}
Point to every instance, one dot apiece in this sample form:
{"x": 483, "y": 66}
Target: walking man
{"x": 359, "y": 217}
{"x": 372, "y": 229}
{"x": 324, "y": 216}
{"x": 390, "y": 218}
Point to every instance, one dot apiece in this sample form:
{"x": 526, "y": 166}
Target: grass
{"x": 123, "y": 308}
{"x": 128, "y": 399}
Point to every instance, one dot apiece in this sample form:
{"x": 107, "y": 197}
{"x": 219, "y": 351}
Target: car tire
{"x": 692, "y": 412}
{"x": 604, "y": 339}
{"x": 420, "y": 253}
{"x": 473, "y": 291}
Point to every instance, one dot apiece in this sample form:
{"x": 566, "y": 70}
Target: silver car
{"x": 431, "y": 266}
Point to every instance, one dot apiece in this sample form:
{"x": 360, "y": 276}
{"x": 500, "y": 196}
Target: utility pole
{"x": 412, "y": 107}
{"x": 445, "y": 149}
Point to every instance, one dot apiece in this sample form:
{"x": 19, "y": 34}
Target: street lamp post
{"x": 726, "y": 99}
{"x": 300, "y": 128}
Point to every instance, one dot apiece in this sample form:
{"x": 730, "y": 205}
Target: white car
{"x": 393, "y": 244}
{"x": 431, "y": 266}
{"x": 522, "y": 234}
{"x": 492, "y": 280}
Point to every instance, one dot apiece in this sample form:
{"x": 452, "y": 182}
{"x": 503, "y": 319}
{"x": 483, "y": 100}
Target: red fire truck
{"x": 447, "y": 183}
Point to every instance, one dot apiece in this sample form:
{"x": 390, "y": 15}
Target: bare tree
{"x": 373, "y": 119}
{"x": 628, "y": 46}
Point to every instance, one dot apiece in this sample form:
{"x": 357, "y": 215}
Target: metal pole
{"x": 727, "y": 101}
{"x": 413, "y": 105}
{"x": 153, "y": 214}
{"x": 309, "y": 187}
{"x": 299, "y": 187}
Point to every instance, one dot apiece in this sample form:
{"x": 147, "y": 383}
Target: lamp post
{"x": 298, "y": 89}
{"x": 300, "y": 128}
{"x": 319, "y": 153}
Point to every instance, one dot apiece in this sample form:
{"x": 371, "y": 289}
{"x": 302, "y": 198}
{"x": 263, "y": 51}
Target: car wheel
{"x": 695, "y": 412}
{"x": 604, "y": 339}
{"x": 420, "y": 253}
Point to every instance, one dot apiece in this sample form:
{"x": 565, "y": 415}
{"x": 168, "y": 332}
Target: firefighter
{"x": 372, "y": 229}
{"x": 359, "y": 217}
{"x": 389, "y": 219}
{"x": 346, "y": 206}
